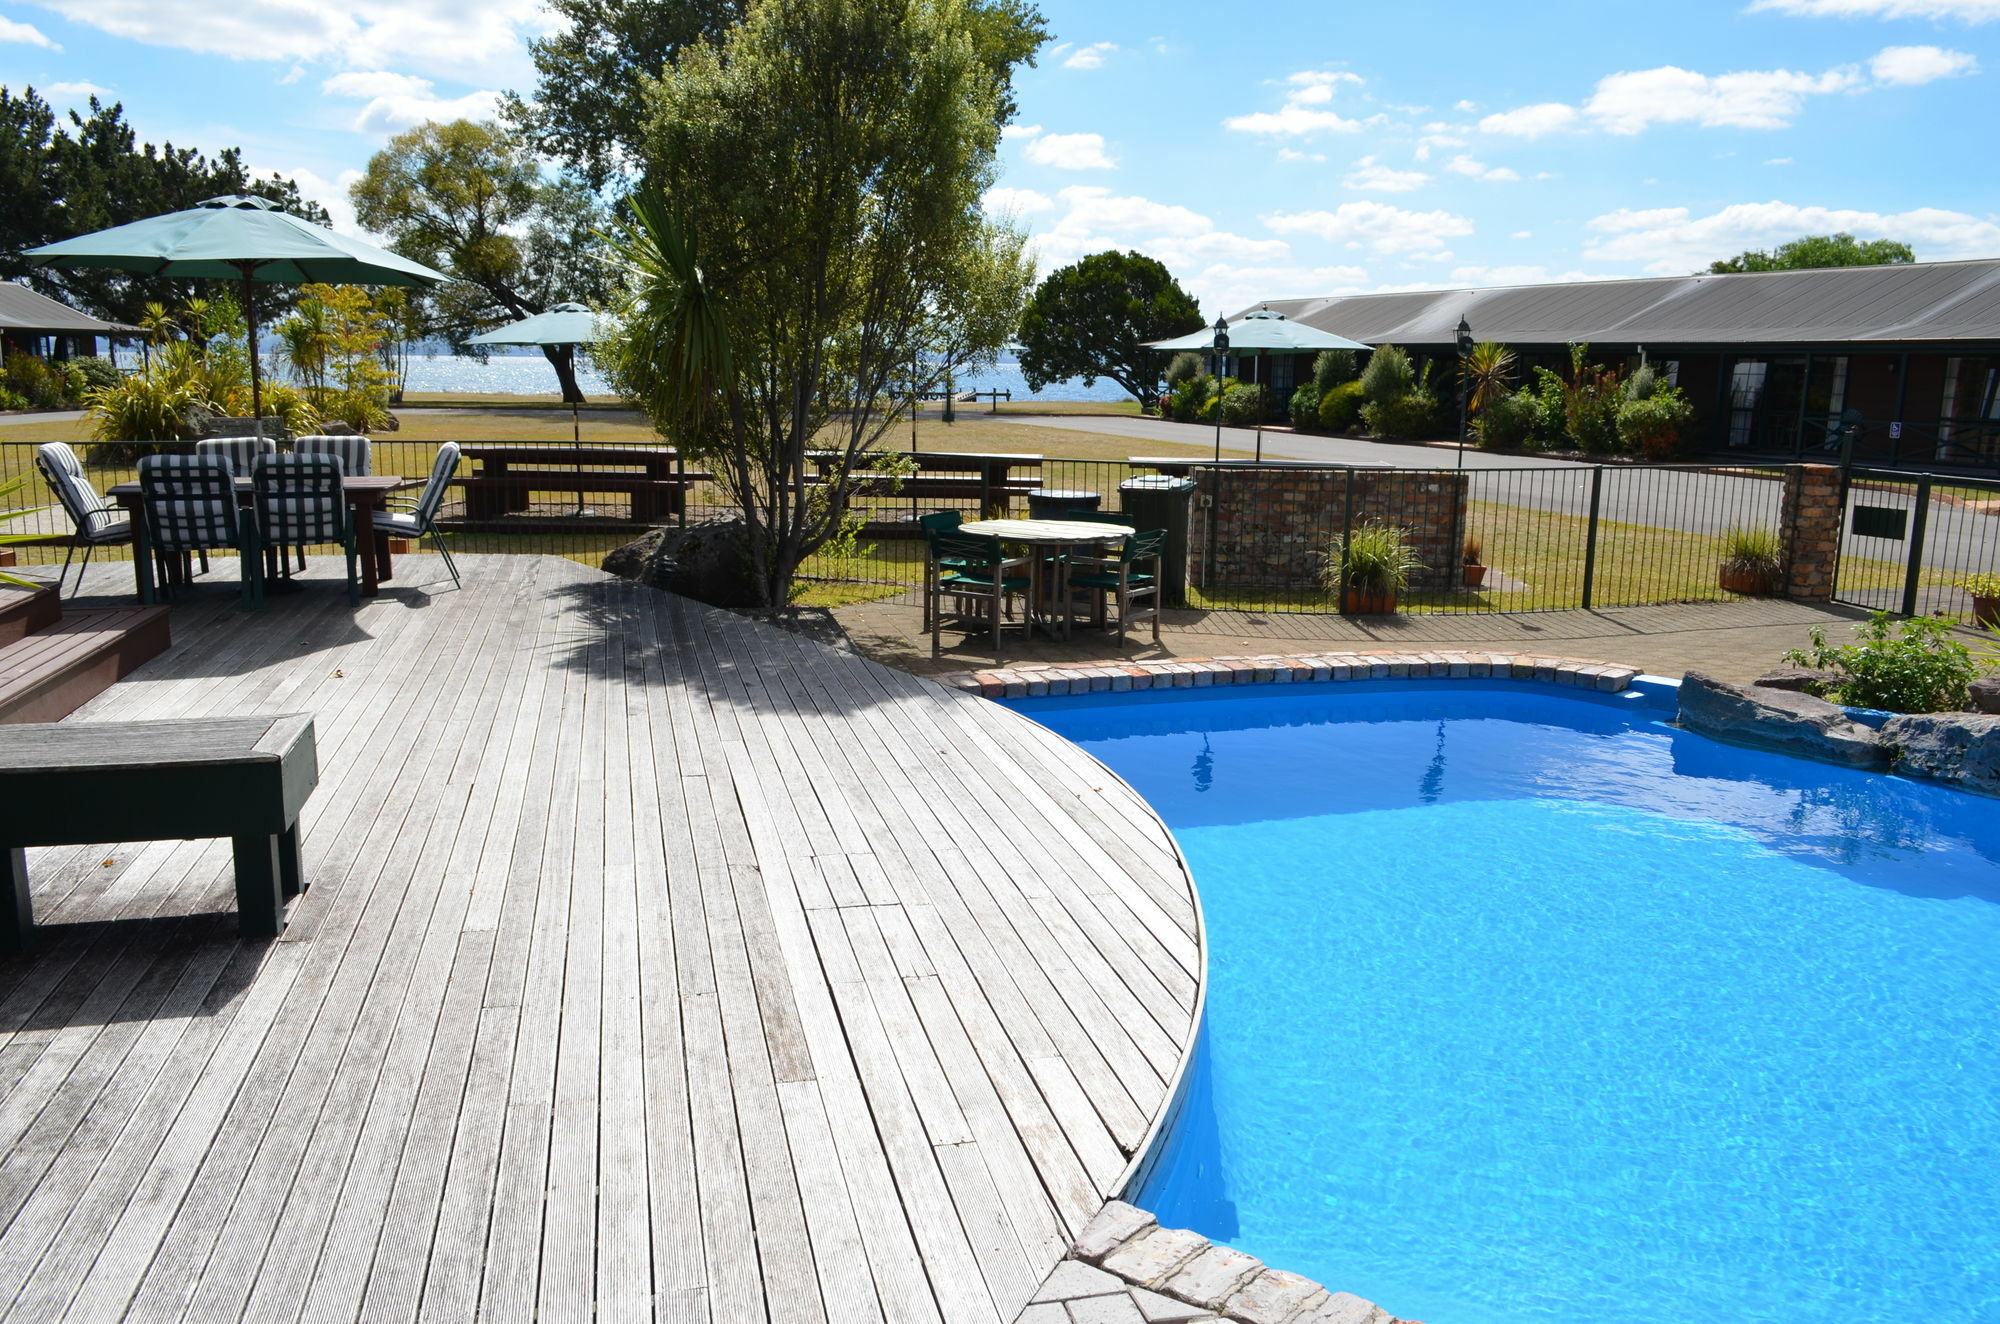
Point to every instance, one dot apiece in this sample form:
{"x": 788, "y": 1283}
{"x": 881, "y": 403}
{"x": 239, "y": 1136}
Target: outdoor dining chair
{"x": 241, "y": 452}
{"x": 933, "y": 524}
{"x": 1121, "y": 578}
{"x": 96, "y": 524}
{"x": 417, "y": 519}
{"x": 357, "y": 456}
{"x": 299, "y": 504}
{"x": 974, "y": 570}
{"x": 189, "y": 505}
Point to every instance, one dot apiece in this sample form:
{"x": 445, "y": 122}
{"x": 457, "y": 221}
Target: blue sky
{"x": 1277, "y": 150}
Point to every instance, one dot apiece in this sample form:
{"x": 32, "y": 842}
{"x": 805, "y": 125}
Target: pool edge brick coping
{"x": 1039, "y": 679}
{"x": 1127, "y": 1269}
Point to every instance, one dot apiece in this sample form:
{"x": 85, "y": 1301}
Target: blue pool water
{"x": 1528, "y": 1007}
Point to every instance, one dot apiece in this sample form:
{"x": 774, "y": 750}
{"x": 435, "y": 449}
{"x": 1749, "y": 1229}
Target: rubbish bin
{"x": 1157, "y": 501}
{"x": 1054, "y": 503}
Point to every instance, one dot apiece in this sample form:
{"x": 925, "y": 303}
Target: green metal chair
{"x": 1121, "y": 577}
{"x": 973, "y": 570}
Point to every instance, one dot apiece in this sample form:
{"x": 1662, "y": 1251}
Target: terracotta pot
{"x": 8, "y": 556}
{"x": 1371, "y": 602}
{"x": 1740, "y": 579}
{"x": 399, "y": 546}
{"x": 1474, "y": 576}
{"x": 1984, "y": 610}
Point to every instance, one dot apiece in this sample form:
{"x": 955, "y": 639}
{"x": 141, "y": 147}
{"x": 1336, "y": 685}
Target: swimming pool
{"x": 1525, "y": 1006}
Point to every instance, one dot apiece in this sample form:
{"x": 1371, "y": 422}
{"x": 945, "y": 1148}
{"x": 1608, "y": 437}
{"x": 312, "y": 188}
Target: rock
{"x": 1776, "y": 719}
{"x": 1115, "y": 1224}
{"x": 1799, "y": 680}
{"x": 1960, "y": 748}
{"x": 333, "y": 427}
{"x": 1212, "y": 1276}
{"x": 1986, "y": 694}
{"x": 1346, "y": 1308}
{"x": 709, "y": 562}
{"x": 1151, "y": 1259}
{"x": 1274, "y": 1296}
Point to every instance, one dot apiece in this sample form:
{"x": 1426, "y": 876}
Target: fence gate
{"x": 1908, "y": 541}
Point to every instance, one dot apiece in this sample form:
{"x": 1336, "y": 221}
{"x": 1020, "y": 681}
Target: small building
{"x": 33, "y": 323}
{"x": 1770, "y": 360}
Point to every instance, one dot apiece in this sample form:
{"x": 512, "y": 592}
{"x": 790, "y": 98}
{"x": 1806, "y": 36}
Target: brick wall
{"x": 1268, "y": 528}
{"x": 1809, "y": 525}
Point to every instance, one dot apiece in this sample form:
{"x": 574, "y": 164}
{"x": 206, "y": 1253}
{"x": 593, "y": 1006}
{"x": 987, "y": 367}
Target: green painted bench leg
{"x": 291, "y": 871}
{"x": 260, "y": 902}
{"x": 17, "y": 914}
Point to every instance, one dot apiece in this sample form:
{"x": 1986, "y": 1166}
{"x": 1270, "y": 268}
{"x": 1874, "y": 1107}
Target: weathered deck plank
{"x": 656, "y": 965}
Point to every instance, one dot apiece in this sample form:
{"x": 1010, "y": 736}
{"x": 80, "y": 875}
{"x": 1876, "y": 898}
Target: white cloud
{"x": 1779, "y": 160}
{"x": 1014, "y": 201}
{"x": 1091, "y": 56}
{"x": 1466, "y": 107}
{"x": 1474, "y": 169}
{"x": 1517, "y": 275}
{"x": 1375, "y": 225}
{"x": 27, "y": 34}
{"x": 398, "y": 101}
{"x": 1371, "y": 175}
{"x": 1069, "y": 151}
{"x": 1966, "y": 11}
{"x": 1905, "y": 66}
{"x": 1309, "y": 88}
{"x": 1633, "y": 102}
{"x": 1530, "y": 121}
{"x": 1020, "y": 130}
{"x": 448, "y": 37}
{"x": 328, "y": 193}
{"x": 1522, "y": 234}
{"x": 76, "y": 91}
{"x": 1435, "y": 139}
{"x": 1224, "y": 287}
{"x": 1671, "y": 240}
{"x": 1093, "y": 210}
{"x": 1287, "y": 154}
{"x": 1321, "y": 78}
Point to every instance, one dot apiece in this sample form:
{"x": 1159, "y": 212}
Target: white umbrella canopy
{"x": 1262, "y": 329}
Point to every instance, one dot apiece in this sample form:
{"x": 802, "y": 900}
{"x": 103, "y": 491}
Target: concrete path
{"x": 57, "y": 416}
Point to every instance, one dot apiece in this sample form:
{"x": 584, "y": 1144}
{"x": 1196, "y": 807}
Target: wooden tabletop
{"x": 356, "y": 485}
{"x": 1047, "y": 530}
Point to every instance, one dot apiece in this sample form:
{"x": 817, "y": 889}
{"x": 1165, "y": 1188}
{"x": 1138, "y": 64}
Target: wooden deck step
{"x": 26, "y": 610}
{"x": 51, "y": 673}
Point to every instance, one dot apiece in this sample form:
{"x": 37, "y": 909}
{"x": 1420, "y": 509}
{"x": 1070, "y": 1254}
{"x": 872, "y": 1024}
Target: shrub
{"x": 96, "y": 372}
{"x": 1245, "y": 404}
{"x": 12, "y": 399}
{"x": 28, "y": 376}
{"x": 1332, "y": 368}
{"x": 1551, "y": 396}
{"x": 1415, "y": 413}
{"x": 1377, "y": 558}
{"x": 151, "y": 406}
{"x": 1389, "y": 375}
{"x": 1508, "y": 421}
{"x": 1182, "y": 367}
{"x": 1654, "y": 425}
{"x": 292, "y": 407}
{"x": 1921, "y": 669}
{"x": 1753, "y": 550}
{"x": 1184, "y": 402}
{"x": 1340, "y": 408}
{"x": 1303, "y": 407}
{"x": 1641, "y": 384}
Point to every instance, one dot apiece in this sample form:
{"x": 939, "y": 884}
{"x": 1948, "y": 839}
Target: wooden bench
{"x": 506, "y": 475}
{"x": 984, "y": 479}
{"x": 78, "y": 783}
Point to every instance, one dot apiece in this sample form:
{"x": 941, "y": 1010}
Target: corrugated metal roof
{"x": 23, "y": 309}
{"x": 1913, "y": 302}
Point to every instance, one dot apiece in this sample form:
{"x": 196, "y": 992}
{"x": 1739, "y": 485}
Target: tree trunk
{"x": 563, "y": 359}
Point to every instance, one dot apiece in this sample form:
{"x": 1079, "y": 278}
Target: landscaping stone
{"x": 1073, "y": 1279}
{"x": 1960, "y": 748}
{"x": 1165, "y": 1310}
{"x": 1799, "y": 680}
{"x": 1986, "y": 694}
{"x": 1212, "y": 1277}
{"x": 709, "y": 562}
{"x": 1273, "y": 1297}
{"x": 1347, "y": 1308}
{"x": 1776, "y": 719}
{"x": 1115, "y": 1224}
{"x": 1151, "y": 1259}
{"x": 1106, "y": 1310}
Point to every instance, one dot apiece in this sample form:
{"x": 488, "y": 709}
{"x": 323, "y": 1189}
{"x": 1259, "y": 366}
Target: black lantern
{"x": 1221, "y": 336}
{"x": 1464, "y": 339}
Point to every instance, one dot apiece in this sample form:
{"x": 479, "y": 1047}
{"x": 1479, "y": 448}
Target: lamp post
{"x": 1464, "y": 361}
{"x": 1221, "y": 377}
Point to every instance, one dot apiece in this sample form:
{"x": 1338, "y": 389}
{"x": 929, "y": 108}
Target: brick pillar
{"x": 1809, "y": 528}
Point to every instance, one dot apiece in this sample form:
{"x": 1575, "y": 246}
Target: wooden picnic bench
{"x": 505, "y": 475}
{"x": 986, "y": 479}
{"x": 78, "y": 783}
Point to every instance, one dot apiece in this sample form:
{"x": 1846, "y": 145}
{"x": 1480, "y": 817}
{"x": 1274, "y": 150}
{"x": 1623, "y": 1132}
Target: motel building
{"x": 1771, "y": 361}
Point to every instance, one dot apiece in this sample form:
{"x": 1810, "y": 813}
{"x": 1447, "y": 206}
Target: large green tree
{"x": 470, "y": 199}
{"x": 1090, "y": 320}
{"x": 1818, "y": 250}
{"x": 62, "y": 176}
{"x": 813, "y": 205}
{"x": 588, "y": 109}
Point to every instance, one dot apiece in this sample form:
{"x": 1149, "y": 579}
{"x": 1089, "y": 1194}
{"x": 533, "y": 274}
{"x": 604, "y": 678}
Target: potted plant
{"x": 1377, "y": 560}
{"x": 1472, "y": 558}
{"x": 1750, "y": 560}
{"x": 1984, "y": 589}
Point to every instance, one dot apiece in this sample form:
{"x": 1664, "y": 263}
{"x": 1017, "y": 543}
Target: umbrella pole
{"x": 256, "y": 382}
{"x": 576, "y": 437}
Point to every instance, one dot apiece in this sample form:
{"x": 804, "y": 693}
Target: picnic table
{"x": 505, "y": 475}
{"x": 79, "y": 783}
{"x": 985, "y": 478}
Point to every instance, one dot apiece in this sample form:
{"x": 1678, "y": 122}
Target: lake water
{"x": 530, "y": 374}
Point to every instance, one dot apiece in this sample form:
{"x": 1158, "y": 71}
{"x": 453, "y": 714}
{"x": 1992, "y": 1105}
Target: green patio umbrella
{"x": 565, "y": 326}
{"x": 236, "y": 238}
{"x": 1259, "y": 333}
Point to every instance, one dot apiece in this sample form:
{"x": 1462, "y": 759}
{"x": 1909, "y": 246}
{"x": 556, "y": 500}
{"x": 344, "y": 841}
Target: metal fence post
{"x": 1346, "y": 531}
{"x": 1590, "y": 537}
{"x": 1918, "y": 519}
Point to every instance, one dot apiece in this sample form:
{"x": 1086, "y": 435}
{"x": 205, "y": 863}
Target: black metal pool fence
{"x": 1541, "y": 538}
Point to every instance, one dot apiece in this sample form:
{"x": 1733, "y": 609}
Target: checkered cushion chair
{"x": 241, "y": 452}
{"x": 416, "y": 519}
{"x": 299, "y": 504}
{"x": 357, "y": 457}
{"x": 98, "y": 524}
{"x": 189, "y": 505}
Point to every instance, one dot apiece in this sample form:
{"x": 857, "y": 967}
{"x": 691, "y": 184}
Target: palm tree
{"x": 1488, "y": 370}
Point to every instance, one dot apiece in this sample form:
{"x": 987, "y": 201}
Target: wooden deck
{"x": 656, "y": 964}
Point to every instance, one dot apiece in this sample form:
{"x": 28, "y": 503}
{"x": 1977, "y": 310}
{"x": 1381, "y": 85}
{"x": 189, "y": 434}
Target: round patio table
{"x": 1050, "y": 535}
